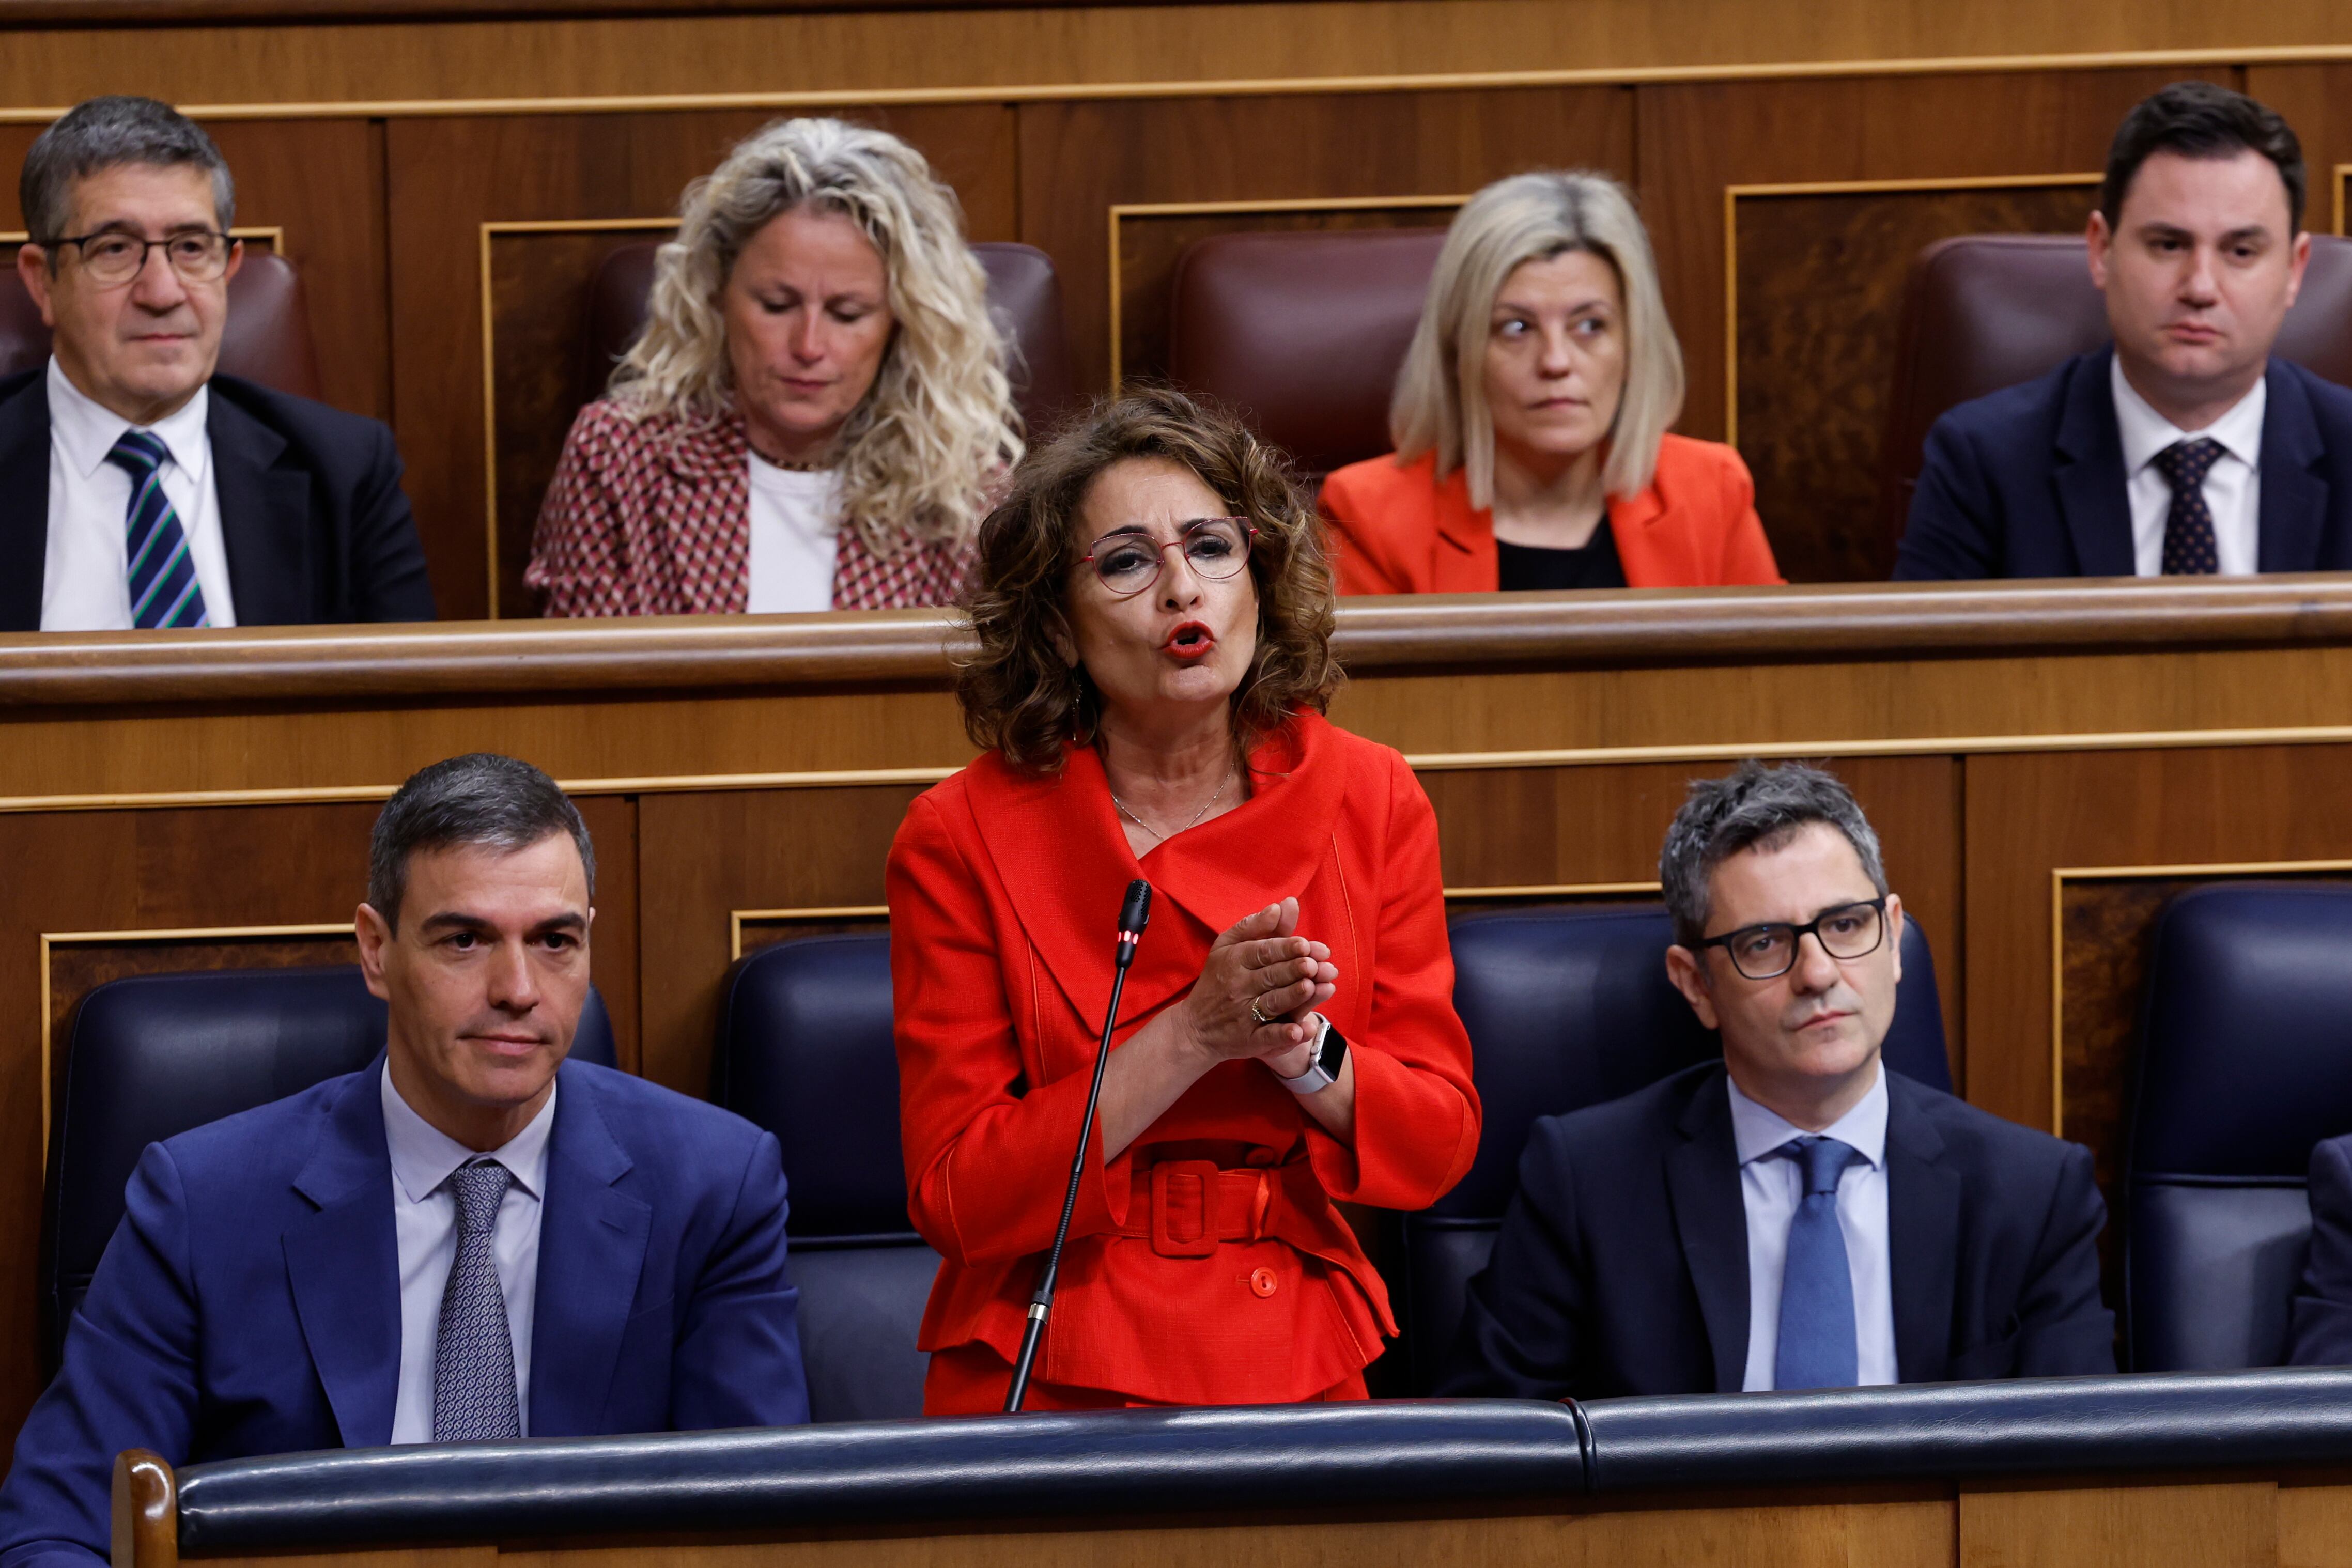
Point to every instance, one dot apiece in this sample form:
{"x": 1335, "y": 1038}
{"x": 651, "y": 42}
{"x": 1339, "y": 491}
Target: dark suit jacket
{"x": 1621, "y": 1267}
{"x": 2321, "y": 1334}
{"x": 2029, "y": 482}
{"x": 311, "y": 510}
{"x": 249, "y": 1301}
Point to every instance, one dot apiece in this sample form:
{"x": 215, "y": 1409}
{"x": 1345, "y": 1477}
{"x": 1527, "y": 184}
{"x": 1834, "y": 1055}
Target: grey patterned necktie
{"x": 473, "y": 1354}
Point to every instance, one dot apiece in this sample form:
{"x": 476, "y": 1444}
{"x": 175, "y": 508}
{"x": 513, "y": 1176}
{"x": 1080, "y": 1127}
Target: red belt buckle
{"x": 1181, "y": 1179}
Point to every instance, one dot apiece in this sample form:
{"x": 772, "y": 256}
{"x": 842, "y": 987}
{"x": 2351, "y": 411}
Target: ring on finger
{"x": 1257, "y": 1014}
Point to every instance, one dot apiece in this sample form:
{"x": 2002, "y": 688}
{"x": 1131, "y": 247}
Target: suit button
{"x": 1263, "y": 1281}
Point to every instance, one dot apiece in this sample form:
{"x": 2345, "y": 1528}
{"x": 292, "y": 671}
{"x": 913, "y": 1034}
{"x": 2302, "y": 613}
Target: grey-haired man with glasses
{"x": 1794, "y": 1216}
{"x": 139, "y": 487}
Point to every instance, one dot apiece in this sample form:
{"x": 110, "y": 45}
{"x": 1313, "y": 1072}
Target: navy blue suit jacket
{"x": 2029, "y": 482}
{"x": 2320, "y": 1332}
{"x": 1621, "y": 1267}
{"x": 249, "y": 1301}
{"x": 317, "y": 528}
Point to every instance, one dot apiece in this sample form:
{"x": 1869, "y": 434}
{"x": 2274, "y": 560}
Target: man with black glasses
{"x": 142, "y": 488}
{"x": 1795, "y": 1216}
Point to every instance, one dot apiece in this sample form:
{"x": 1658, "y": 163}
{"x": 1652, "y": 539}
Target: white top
{"x": 1771, "y": 1187}
{"x": 795, "y": 532}
{"x": 424, "y": 1220}
{"x": 2234, "y": 486}
{"x": 85, "y": 571}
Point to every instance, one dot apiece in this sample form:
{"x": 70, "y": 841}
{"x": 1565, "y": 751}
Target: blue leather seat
{"x": 804, "y": 1051}
{"x": 2243, "y": 1068}
{"x": 1567, "y": 1007}
{"x": 154, "y": 1055}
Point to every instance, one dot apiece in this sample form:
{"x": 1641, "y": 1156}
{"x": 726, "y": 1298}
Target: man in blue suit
{"x": 1793, "y": 1216}
{"x": 471, "y": 1238}
{"x": 2183, "y": 449}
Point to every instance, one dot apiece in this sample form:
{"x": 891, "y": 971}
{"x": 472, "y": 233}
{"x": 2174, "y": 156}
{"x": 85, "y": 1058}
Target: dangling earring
{"x": 1077, "y": 707}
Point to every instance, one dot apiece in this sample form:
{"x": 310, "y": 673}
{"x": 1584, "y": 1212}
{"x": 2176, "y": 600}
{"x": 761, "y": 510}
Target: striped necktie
{"x": 163, "y": 588}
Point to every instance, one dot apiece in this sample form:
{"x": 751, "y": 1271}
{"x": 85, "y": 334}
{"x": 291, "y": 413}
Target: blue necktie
{"x": 1817, "y": 1346}
{"x": 164, "y": 589}
{"x": 472, "y": 1354}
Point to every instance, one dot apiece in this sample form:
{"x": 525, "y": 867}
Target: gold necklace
{"x": 1155, "y": 832}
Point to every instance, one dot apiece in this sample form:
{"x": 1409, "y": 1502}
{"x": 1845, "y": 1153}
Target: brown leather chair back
{"x": 1301, "y": 334}
{"x": 1982, "y": 312}
{"x": 1023, "y": 295}
{"x": 267, "y": 340}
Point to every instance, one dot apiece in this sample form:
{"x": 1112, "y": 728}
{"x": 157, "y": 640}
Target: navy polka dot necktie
{"x": 474, "y": 1394}
{"x": 2188, "y": 526}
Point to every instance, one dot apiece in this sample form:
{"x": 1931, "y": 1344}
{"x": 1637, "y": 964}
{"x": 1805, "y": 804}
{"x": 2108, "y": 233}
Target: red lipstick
{"x": 1191, "y": 641}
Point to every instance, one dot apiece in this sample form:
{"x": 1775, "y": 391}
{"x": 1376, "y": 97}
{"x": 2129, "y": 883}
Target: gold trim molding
{"x": 2061, "y": 875}
{"x": 811, "y": 914}
{"x": 54, "y": 939}
{"x": 1731, "y": 197}
{"x": 1119, "y": 210}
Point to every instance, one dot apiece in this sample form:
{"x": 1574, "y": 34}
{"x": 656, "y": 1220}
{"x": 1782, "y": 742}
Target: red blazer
{"x": 1005, "y": 891}
{"x": 1398, "y": 530}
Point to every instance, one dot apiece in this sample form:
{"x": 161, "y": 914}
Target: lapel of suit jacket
{"x": 2092, "y": 493}
{"x": 1465, "y": 560}
{"x": 23, "y": 503}
{"x": 343, "y": 1263}
{"x": 1923, "y": 1222}
{"x": 2295, "y": 495}
{"x": 591, "y": 1250}
{"x": 265, "y": 517}
{"x": 1702, "y": 1181}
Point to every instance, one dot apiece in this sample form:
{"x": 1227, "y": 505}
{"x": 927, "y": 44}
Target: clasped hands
{"x": 1261, "y": 962}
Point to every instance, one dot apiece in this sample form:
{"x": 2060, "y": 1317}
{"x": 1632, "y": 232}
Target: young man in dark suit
{"x": 470, "y": 1240}
{"x": 1794, "y": 1216}
{"x": 2184, "y": 449}
{"x": 139, "y": 487}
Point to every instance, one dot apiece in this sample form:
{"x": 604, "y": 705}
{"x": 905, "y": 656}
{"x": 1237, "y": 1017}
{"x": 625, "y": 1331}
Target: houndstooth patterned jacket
{"x": 652, "y": 515}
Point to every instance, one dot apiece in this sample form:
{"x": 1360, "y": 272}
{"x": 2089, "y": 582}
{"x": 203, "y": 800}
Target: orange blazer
{"x": 1398, "y": 530}
{"x": 1005, "y": 891}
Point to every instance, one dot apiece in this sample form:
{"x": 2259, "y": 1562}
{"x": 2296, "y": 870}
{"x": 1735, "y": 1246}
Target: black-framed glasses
{"x": 1214, "y": 547}
{"x": 112, "y": 256}
{"x": 1770, "y": 951}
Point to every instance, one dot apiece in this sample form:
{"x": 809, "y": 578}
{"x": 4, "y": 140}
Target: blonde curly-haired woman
{"x": 817, "y": 412}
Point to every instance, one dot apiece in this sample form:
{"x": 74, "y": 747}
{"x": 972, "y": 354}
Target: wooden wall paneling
{"x": 2314, "y": 1524}
{"x": 2088, "y": 813}
{"x": 2230, "y": 1525}
{"x": 447, "y": 177}
{"x": 613, "y": 953}
{"x": 1080, "y": 159}
{"x": 707, "y": 855}
{"x": 2312, "y": 99}
{"x": 1817, "y": 276}
{"x": 321, "y": 182}
{"x": 1697, "y": 140}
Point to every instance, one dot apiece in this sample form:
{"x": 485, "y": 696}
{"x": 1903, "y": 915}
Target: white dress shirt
{"x": 795, "y": 537}
{"x": 2234, "y": 486}
{"x": 1770, "y": 1189}
{"x": 424, "y": 1221}
{"x": 85, "y": 571}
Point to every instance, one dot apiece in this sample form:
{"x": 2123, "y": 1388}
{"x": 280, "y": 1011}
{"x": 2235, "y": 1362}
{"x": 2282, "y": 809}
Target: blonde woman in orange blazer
{"x": 1531, "y": 420}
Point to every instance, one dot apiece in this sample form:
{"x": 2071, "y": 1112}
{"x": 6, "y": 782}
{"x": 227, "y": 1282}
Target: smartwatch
{"x": 1323, "y": 1065}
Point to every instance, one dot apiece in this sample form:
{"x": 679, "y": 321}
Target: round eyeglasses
{"x": 1128, "y": 562}
{"x": 1768, "y": 952}
{"x": 113, "y": 257}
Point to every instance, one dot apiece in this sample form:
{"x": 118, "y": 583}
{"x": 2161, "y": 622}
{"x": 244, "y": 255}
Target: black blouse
{"x": 1594, "y": 564}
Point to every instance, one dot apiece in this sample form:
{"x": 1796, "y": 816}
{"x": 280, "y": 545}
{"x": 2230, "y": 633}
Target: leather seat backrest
{"x": 804, "y": 1051}
{"x": 153, "y": 1056}
{"x": 1981, "y": 312}
{"x": 1302, "y": 334}
{"x": 267, "y": 338}
{"x": 1567, "y": 1007}
{"x": 2245, "y": 1063}
{"x": 1025, "y": 294}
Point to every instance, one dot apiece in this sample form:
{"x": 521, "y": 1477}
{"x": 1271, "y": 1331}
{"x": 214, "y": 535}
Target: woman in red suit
{"x": 1531, "y": 420}
{"x": 1153, "y": 618}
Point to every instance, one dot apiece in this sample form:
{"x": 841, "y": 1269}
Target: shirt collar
{"x": 422, "y": 1155}
{"x": 86, "y": 430}
{"x": 2147, "y": 433}
{"x": 1757, "y": 1132}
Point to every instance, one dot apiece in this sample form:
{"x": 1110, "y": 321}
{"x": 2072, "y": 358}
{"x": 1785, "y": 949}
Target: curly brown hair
{"x": 1019, "y": 699}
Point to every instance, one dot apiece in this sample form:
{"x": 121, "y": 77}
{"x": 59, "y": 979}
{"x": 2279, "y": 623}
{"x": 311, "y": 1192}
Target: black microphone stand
{"x": 1132, "y": 914}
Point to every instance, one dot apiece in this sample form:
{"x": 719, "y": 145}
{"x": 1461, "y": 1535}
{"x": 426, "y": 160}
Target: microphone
{"x": 1132, "y": 916}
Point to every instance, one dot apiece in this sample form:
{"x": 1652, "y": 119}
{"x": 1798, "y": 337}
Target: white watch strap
{"x": 1314, "y": 1080}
